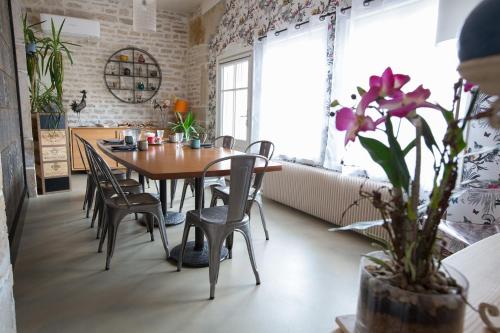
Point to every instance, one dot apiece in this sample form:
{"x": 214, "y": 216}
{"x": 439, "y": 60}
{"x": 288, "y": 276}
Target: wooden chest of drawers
{"x": 51, "y": 153}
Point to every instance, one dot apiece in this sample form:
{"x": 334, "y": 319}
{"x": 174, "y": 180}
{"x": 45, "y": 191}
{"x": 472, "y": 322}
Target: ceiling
{"x": 184, "y": 6}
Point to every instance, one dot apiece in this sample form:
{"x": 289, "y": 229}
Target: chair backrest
{"x": 242, "y": 169}
{"x": 78, "y": 145}
{"x": 266, "y": 149}
{"x": 101, "y": 172}
{"x": 227, "y": 141}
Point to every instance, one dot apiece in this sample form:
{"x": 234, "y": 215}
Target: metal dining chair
{"x": 129, "y": 185}
{"x": 121, "y": 204}
{"x": 91, "y": 187}
{"x": 225, "y": 141}
{"x": 266, "y": 149}
{"x": 220, "y": 222}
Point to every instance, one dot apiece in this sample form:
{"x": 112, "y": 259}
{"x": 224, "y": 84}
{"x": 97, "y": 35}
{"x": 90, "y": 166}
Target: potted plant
{"x": 405, "y": 288}
{"x": 187, "y": 126}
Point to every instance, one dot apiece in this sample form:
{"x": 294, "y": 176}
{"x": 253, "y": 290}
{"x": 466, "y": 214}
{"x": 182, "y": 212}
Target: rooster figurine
{"x": 77, "y": 108}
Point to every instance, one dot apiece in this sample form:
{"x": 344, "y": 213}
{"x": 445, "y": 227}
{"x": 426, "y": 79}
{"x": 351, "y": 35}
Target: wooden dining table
{"x": 170, "y": 161}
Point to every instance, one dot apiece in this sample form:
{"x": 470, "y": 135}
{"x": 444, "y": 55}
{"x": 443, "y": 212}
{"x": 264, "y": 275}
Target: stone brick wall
{"x": 22, "y": 74}
{"x": 10, "y": 152}
{"x": 7, "y": 309}
{"x": 169, "y": 45}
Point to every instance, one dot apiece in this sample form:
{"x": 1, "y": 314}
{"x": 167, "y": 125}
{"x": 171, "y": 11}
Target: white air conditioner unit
{"x": 75, "y": 27}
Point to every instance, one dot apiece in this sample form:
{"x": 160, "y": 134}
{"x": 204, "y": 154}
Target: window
{"x": 390, "y": 33}
{"x": 234, "y": 94}
{"x": 290, "y": 94}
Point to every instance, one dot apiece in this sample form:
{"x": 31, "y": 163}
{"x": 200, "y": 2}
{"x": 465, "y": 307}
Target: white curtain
{"x": 290, "y": 91}
{"x": 401, "y": 35}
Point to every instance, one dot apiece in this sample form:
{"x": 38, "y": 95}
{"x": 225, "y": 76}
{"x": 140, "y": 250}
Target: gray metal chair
{"x": 91, "y": 187}
{"x": 225, "y": 141}
{"x": 266, "y": 149}
{"x": 220, "y": 222}
{"x": 122, "y": 204}
{"x": 128, "y": 185}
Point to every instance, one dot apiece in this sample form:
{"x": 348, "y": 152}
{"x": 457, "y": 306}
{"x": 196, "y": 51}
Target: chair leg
{"x": 229, "y": 244}
{"x": 114, "y": 219}
{"x": 150, "y": 223}
{"x": 129, "y": 173}
{"x": 92, "y": 191}
{"x": 87, "y": 188}
{"x": 191, "y": 186}
{"x": 185, "y": 236}
{"x": 104, "y": 229}
{"x": 213, "y": 201}
{"x": 163, "y": 230}
{"x": 101, "y": 216}
{"x": 96, "y": 211}
{"x": 245, "y": 230}
{"x": 183, "y": 196}
{"x": 262, "y": 218}
{"x": 215, "y": 247}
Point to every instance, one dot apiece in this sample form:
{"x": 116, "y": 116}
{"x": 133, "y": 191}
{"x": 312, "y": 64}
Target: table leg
{"x": 196, "y": 253}
{"x": 173, "y": 188}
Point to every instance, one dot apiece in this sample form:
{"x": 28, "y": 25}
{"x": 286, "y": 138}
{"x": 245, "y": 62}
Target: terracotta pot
{"x": 383, "y": 308}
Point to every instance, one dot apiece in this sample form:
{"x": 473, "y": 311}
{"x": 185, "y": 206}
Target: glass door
{"x": 234, "y": 101}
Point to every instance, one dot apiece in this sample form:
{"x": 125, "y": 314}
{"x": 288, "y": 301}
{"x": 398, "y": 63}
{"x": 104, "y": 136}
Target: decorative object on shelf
{"x": 144, "y": 15}
{"x": 153, "y": 73}
{"x": 140, "y": 85}
{"x": 123, "y": 57}
{"x": 410, "y": 264}
{"x": 131, "y": 73}
{"x": 78, "y": 107}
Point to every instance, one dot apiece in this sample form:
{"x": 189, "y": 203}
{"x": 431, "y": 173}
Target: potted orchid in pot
{"x": 404, "y": 287}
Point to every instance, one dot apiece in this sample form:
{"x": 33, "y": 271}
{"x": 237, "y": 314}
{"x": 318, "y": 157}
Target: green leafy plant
{"x": 53, "y": 51}
{"x": 411, "y": 223}
{"x": 187, "y": 125}
{"x": 33, "y": 57}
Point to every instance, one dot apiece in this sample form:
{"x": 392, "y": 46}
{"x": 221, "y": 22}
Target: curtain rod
{"x": 321, "y": 18}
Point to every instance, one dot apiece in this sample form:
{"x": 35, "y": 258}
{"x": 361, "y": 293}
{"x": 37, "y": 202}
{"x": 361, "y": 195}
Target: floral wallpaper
{"x": 245, "y": 20}
{"x": 480, "y": 204}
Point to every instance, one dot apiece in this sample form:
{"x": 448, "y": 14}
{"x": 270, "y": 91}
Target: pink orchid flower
{"x": 382, "y": 86}
{"x": 347, "y": 120}
{"x": 403, "y": 104}
{"x": 468, "y": 86}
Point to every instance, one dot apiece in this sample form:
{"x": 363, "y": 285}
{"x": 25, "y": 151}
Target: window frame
{"x": 232, "y": 55}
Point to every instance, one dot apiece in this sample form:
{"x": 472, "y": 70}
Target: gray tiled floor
{"x": 309, "y": 276}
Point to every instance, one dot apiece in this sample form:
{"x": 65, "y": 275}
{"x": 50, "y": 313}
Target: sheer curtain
{"x": 290, "y": 91}
{"x": 400, "y": 34}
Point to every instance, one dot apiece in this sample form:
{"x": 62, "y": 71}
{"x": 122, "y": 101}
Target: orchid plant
{"x": 413, "y": 256}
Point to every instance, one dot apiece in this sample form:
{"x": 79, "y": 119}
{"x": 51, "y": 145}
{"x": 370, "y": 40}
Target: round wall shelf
{"x": 132, "y": 75}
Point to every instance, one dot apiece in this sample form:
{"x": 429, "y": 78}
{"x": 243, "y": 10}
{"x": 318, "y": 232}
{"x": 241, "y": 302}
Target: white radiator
{"x": 324, "y": 194}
